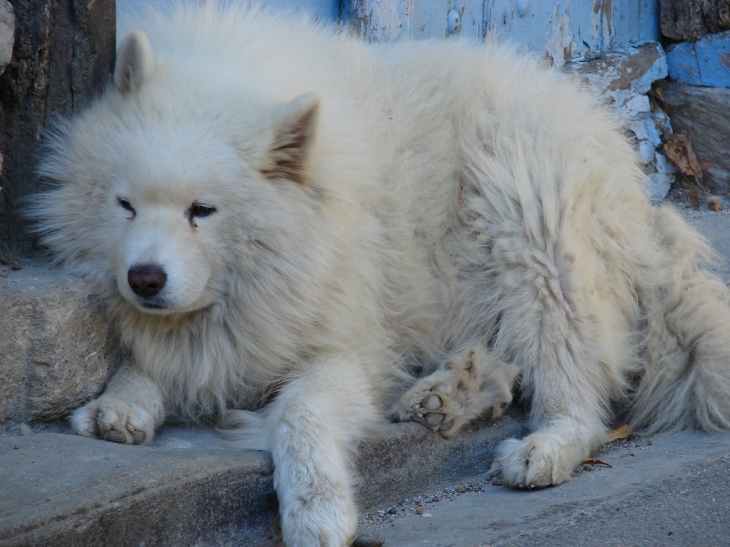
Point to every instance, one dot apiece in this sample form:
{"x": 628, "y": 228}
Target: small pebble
{"x": 369, "y": 540}
{"x": 461, "y": 488}
{"x": 420, "y": 510}
{"x": 426, "y": 515}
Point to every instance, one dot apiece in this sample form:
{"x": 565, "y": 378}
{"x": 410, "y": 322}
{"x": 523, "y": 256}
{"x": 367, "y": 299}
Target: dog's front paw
{"x": 319, "y": 522}
{"x": 539, "y": 460}
{"x": 115, "y": 420}
{"x": 469, "y": 383}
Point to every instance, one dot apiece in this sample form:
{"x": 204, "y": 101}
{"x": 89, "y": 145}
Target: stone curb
{"x": 190, "y": 487}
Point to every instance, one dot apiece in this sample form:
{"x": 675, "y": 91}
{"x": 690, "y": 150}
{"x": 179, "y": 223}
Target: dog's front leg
{"x": 315, "y": 423}
{"x": 129, "y": 411}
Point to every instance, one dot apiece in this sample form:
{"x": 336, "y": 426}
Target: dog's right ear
{"x": 135, "y": 62}
{"x": 295, "y": 128}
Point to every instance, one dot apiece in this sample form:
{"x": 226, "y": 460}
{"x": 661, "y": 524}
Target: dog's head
{"x": 161, "y": 190}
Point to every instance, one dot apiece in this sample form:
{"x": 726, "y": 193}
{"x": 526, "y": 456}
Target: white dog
{"x": 281, "y": 217}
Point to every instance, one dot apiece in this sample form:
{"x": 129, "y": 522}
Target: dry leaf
{"x": 623, "y": 432}
{"x": 596, "y": 462}
{"x": 706, "y": 165}
{"x": 714, "y": 203}
{"x": 4, "y": 260}
{"x": 679, "y": 149}
{"x": 693, "y": 199}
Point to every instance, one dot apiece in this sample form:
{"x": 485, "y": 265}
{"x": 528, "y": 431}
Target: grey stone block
{"x": 56, "y": 348}
{"x": 7, "y": 33}
{"x": 704, "y": 112}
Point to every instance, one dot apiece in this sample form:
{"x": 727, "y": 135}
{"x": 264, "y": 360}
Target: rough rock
{"x": 623, "y": 78}
{"x": 705, "y": 62}
{"x": 705, "y": 114}
{"x": 7, "y": 33}
{"x": 56, "y": 350}
{"x": 685, "y": 20}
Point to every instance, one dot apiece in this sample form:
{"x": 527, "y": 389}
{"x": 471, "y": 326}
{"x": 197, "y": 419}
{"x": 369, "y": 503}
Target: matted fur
{"x": 375, "y": 205}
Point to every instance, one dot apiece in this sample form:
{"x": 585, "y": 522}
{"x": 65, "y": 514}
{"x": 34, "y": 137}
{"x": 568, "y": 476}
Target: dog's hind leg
{"x": 469, "y": 383}
{"x": 569, "y": 356}
{"x": 128, "y": 412}
{"x": 312, "y": 427}
{"x": 686, "y": 383}
{"x": 549, "y": 281}
{"x": 567, "y": 394}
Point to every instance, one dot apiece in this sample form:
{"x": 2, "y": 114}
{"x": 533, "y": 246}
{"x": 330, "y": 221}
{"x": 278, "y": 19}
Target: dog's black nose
{"x": 146, "y": 280}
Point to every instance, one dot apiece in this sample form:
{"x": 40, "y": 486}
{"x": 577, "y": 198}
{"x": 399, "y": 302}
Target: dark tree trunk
{"x": 63, "y": 56}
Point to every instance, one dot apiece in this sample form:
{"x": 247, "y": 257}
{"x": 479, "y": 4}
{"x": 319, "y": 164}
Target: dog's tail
{"x": 686, "y": 381}
{"x": 247, "y": 429}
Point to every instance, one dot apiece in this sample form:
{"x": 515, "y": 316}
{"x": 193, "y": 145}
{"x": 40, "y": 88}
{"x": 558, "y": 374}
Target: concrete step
{"x": 191, "y": 487}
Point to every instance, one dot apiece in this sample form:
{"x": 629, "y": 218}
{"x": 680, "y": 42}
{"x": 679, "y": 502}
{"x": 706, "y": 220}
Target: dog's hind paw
{"x": 469, "y": 383}
{"x": 541, "y": 459}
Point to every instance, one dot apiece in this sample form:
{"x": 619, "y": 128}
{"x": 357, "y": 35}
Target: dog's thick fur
{"x": 281, "y": 217}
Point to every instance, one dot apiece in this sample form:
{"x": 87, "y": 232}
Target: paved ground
{"x": 673, "y": 491}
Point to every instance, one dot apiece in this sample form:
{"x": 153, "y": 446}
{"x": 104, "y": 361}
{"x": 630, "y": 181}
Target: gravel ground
{"x": 424, "y": 505}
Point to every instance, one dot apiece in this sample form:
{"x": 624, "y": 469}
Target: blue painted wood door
{"x": 322, "y": 10}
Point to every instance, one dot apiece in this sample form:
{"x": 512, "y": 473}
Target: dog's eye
{"x": 126, "y": 205}
{"x": 199, "y": 210}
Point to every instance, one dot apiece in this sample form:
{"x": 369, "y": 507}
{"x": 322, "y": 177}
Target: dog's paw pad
{"x": 469, "y": 383}
{"x": 114, "y": 420}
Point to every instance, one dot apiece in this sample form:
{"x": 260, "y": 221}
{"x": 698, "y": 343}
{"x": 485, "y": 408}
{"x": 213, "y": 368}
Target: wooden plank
{"x": 380, "y": 20}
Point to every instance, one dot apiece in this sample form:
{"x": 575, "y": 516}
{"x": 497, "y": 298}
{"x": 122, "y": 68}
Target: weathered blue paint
{"x": 682, "y": 61}
{"x": 558, "y": 30}
{"x": 322, "y": 10}
{"x": 713, "y": 59}
{"x": 705, "y": 62}
{"x": 380, "y": 20}
{"x": 633, "y": 21}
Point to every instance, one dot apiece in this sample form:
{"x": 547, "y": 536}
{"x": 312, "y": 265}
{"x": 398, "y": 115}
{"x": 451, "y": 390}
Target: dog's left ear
{"x": 295, "y": 127}
{"x": 135, "y": 62}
